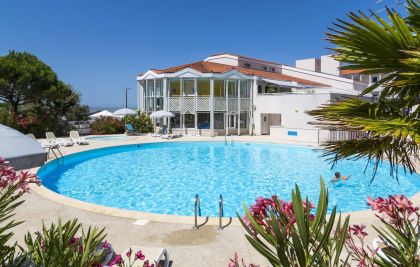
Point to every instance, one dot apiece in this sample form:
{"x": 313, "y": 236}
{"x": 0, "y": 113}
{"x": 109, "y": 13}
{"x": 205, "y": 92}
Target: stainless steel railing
{"x": 220, "y": 211}
{"x": 197, "y": 211}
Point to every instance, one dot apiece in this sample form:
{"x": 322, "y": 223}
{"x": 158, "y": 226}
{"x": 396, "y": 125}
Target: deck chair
{"x": 75, "y": 137}
{"x": 130, "y": 130}
{"x": 49, "y": 147}
{"x": 158, "y": 255}
{"x": 59, "y": 141}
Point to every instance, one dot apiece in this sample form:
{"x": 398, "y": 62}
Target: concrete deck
{"x": 207, "y": 246}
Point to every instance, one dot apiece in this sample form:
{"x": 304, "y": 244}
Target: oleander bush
{"x": 107, "y": 125}
{"x": 291, "y": 234}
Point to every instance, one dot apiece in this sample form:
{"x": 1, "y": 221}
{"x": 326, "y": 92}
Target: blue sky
{"x": 100, "y": 46}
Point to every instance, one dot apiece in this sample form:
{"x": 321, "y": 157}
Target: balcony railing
{"x": 193, "y": 104}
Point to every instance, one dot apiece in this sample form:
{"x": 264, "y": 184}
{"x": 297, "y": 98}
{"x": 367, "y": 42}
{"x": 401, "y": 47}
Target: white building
{"x": 233, "y": 94}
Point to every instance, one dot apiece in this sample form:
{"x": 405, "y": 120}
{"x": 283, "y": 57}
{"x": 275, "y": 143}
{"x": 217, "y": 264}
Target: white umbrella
{"x": 22, "y": 151}
{"x": 103, "y": 113}
{"x": 161, "y": 114}
{"x": 125, "y": 111}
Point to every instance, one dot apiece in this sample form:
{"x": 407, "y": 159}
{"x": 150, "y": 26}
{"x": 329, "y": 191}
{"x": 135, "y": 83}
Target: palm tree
{"x": 377, "y": 46}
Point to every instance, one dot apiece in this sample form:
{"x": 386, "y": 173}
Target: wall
{"x": 314, "y": 136}
{"x": 228, "y": 60}
{"x": 292, "y": 108}
{"x": 257, "y": 65}
{"x": 327, "y": 79}
{"x": 312, "y": 64}
{"x": 330, "y": 65}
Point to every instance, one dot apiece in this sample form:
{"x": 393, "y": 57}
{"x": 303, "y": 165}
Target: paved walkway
{"x": 207, "y": 246}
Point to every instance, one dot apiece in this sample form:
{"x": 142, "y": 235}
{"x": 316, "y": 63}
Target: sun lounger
{"x": 50, "y": 147}
{"x": 130, "y": 130}
{"x": 158, "y": 255}
{"x": 168, "y": 136}
{"x": 60, "y": 141}
{"x": 75, "y": 137}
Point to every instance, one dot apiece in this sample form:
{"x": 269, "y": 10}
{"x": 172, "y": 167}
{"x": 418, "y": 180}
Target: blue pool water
{"x": 108, "y": 138}
{"x": 164, "y": 177}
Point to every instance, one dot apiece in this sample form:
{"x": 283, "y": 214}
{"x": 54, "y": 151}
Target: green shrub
{"x": 290, "y": 234}
{"x": 59, "y": 246}
{"x": 107, "y": 125}
{"x": 140, "y": 122}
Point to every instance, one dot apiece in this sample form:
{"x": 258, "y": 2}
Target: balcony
{"x": 193, "y": 104}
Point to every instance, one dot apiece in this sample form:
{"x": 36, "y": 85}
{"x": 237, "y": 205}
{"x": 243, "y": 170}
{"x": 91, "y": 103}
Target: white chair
{"x": 75, "y": 137}
{"x": 47, "y": 145}
{"x": 59, "y": 141}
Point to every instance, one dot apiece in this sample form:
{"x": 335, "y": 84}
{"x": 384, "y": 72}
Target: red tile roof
{"x": 211, "y": 67}
{"x": 349, "y": 72}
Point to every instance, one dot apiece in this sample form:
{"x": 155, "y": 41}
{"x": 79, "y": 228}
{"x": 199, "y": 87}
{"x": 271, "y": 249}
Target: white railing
{"x": 334, "y": 136}
{"x": 192, "y": 104}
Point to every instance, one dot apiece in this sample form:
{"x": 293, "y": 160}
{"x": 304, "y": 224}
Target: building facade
{"x": 230, "y": 94}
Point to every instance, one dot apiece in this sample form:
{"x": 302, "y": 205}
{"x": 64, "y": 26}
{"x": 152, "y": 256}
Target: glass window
{"x": 259, "y": 89}
{"x": 374, "y": 79}
{"x": 151, "y": 104}
{"x": 244, "y": 120}
{"x": 175, "y": 87}
{"x": 219, "y": 88}
{"x": 231, "y": 121}
{"x": 232, "y": 89}
{"x": 159, "y": 103}
{"x": 245, "y": 92}
{"x": 203, "y": 120}
{"x": 219, "y": 120}
{"x": 150, "y": 88}
{"x": 188, "y": 88}
{"x": 176, "y": 121}
{"x": 203, "y": 87}
{"x": 189, "y": 120}
{"x": 159, "y": 88}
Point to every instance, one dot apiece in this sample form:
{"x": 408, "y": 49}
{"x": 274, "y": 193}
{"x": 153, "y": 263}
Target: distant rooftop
{"x": 244, "y": 57}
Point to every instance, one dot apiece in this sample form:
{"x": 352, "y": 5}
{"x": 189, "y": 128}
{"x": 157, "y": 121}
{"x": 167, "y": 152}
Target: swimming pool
{"x": 108, "y": 137}
{"x": 164, "y": 177}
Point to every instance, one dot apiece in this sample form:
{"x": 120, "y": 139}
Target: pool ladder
{"x": 220, "y": 211}
{"x": 231, "y": 139}
{"x": 197, "y": 212}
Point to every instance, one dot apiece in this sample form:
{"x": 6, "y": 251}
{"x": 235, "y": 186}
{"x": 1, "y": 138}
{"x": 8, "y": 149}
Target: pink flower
{"x": 233, "y": 262}
{"x": 358, "y": 230}
{"x": 139, "y": 255}
{"x": 129, "y": 253}
{"x": 105, "y": 245}
{"x": 146, "y": 264}
{"x": 400, "y": 201}
{"x": 116, "y": 260}
{"x": 74, "y": 240}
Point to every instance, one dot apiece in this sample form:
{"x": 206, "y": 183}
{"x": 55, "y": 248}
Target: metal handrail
{"x": 220, "y": 211}
{"x": 225, "y": 139}
{"x": 197, "y": 211}
{"x": 231, "y": 139}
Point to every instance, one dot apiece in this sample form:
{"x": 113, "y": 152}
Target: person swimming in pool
{"x": 338, "y": 177}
